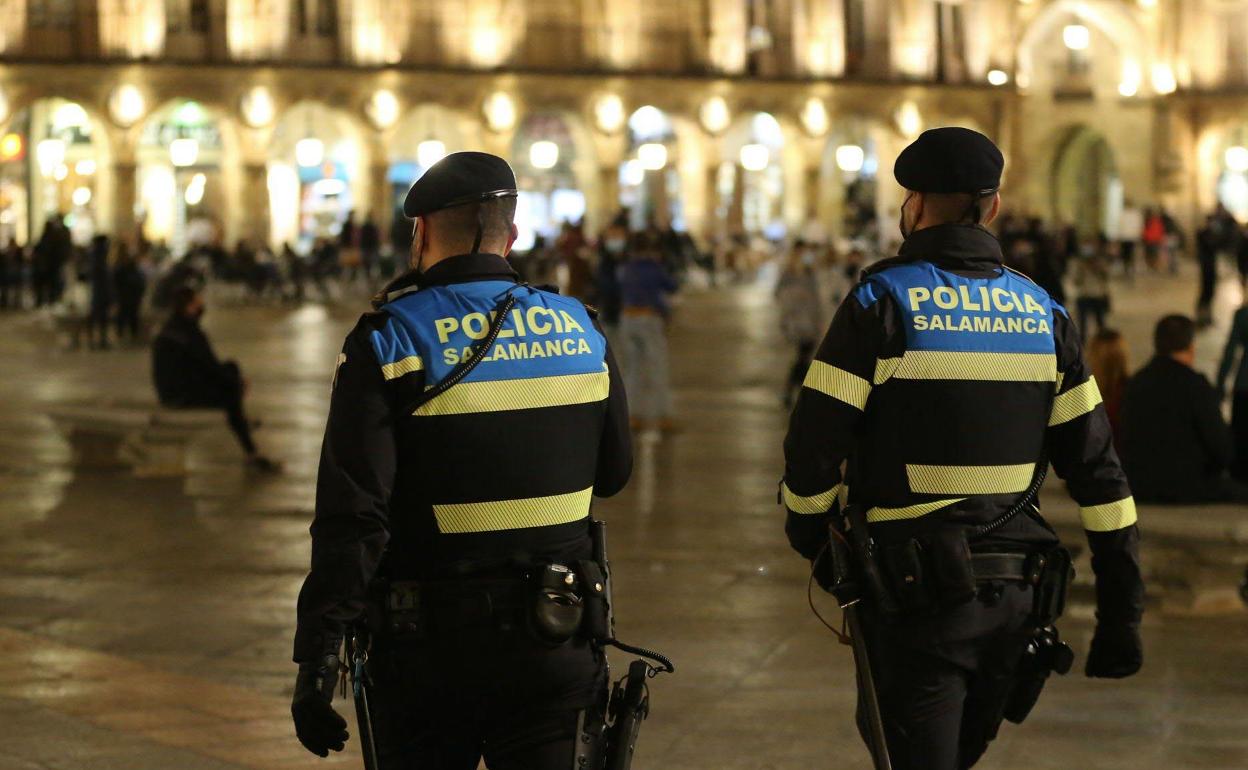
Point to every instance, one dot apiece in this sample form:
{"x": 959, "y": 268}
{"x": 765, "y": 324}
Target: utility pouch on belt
{"x": 930, "y": 573}
{"x": 1050, "y": 572}
{"x": 597, "y": 622}
{"x": 556, "y": 609}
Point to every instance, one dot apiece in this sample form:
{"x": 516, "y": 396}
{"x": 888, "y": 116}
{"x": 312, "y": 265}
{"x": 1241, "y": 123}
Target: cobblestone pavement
{"x": 145, "y": 623}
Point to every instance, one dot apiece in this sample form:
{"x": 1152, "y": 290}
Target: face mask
{"x": 615, "y": 245}
{"x": 901, "y": 225}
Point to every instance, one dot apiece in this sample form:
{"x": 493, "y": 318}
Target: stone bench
{"x": 150, "y": 440}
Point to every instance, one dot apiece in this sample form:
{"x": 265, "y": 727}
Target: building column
{"x": 608, "y": 198}
{"x": 255, "y": 203}
{"x": 124, "y": 196}
{"x": 380, "y": 206}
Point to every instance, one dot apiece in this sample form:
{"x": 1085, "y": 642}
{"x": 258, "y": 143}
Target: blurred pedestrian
{"x": 1091, "y": 279}
{"x": 1130, "y": 231}
{"x": 797, "y": 294}
{"x": 370, "y": 246}
{"x": 188, "y": 374}
{"x": 644, "y": 314}
{"x": 11, "y": 275}
{"x": 52, "y": 253}
{"x": 611, "y": 254}
{"x": 1154, "y": 238}
{"x": 1236, "y": 350}
{"x": 103, "y": 292}
{"x": 1108, "y": 358}
{"x": 1207, "y": 257}
{"x": 131, "y": 284}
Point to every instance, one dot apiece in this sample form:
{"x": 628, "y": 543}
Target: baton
{"x": 866, "y": 685}
{"x": 363, "y": 715}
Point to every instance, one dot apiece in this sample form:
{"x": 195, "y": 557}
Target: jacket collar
{"x": 461, "y": 268}
{"x": 953, "y": 247}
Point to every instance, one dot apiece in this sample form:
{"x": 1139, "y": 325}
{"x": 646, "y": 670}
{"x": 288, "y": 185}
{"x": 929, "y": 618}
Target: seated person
{"x": 189, "y": 376}
{"x": 1176, "y": 447}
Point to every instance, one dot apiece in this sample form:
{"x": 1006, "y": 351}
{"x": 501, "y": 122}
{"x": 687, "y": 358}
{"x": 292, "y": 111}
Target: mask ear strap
{"x": 476, "y": 241}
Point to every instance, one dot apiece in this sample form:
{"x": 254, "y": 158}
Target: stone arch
{"x": 578, "y": 167}
{"x": 1084, "y": 187}
{"x": 347, "y": 150}
{"x": 1114, "y": 20}
{"x": 221, "y": 166}
{"x": 783, "y": 141}
{"x": 29, "y": 189}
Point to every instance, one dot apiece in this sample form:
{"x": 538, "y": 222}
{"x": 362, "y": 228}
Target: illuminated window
{"x": 50, "y": 14}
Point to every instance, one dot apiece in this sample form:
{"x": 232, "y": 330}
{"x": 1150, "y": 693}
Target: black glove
{"x": 320, "y": 729}
{"x": 1117, "y": 651}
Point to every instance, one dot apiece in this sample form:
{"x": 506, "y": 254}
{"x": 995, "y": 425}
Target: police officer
{"x": 944, "y": 381}
{"x": 452, "y": 505}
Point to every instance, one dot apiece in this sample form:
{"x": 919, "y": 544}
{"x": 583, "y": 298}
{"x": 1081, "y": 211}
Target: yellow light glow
{"x": 500, "y": 111}
{"x": 543, "y": 155}
{"x": 609, "y": 113}
{"x": 257, "y": 107}
{"x": 429, "y": 152}
{"x": 1163, "y": 79}
{"x": 715, "y": 115}
{"x": 849, "y": 158}
{"x": 126, "y": 105}
{"x": 652, "y": 156}
{"x": 183, "y": 152}
{"x": 1237, "y": 159}
{"x": 1076, "y": 37}
{"x": 998, "y": 77}
{"x": 815, "y": 117}
{"x": 383, "y": 108}
{"x": 755, "y": 157}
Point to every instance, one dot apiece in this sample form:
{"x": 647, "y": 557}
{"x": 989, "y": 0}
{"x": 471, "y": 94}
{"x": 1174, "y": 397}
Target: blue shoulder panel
{"x": 944, "y": 311}
{"x": 544, "y": 334}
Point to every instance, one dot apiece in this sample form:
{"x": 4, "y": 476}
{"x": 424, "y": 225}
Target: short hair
{"x": 958, "y": 208}
{"x": 1174, "y": 334}
{"x": 456, "y": 227}
{"x": 183, "y": 296}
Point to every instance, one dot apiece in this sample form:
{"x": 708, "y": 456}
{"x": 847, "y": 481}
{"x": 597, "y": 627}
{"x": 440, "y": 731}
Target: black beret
{"x": 457, "y": 179}
{"x": 950, "y": 160}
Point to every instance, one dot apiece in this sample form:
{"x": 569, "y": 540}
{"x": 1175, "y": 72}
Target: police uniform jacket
{"x": 499, "y": 469}
{"x": 943, "y": 380}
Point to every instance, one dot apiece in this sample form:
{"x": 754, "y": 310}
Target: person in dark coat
{"x": 100, "y": 276}
{"x": 188, "y": 374}
{"x": 131, "y": 284}
{"x": 1207, "y": 258}
{"x": 1176, "y": 446}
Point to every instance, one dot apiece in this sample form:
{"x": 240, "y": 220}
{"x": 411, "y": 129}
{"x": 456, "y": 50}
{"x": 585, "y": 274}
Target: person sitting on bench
{"x": 188, "y": 374}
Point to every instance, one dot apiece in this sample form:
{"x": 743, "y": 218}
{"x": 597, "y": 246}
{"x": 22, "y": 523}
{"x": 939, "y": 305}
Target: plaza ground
{"x": 146, "y": 624}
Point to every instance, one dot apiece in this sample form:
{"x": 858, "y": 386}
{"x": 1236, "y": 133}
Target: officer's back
{"x": 945, "y": 384}
{"x": 459, "y": 464}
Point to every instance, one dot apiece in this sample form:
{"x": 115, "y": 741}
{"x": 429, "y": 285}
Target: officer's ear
{"x": 418, "y": 234}
{"x": 993, "y": 210}
{"x": 512, "y": 235}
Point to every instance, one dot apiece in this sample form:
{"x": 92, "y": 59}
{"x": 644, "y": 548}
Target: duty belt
{"x": 423, "y": 608}
{"x": 1002, "y": 566}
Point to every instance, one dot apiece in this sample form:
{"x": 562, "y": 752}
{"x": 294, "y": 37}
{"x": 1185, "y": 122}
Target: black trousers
{"x": 229, "y": 399}
{"x": 445, "y": 704}
{"x": 943, "y": 681}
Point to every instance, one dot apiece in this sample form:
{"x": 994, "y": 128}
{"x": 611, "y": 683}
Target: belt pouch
{"x": 597, "y": 622}
{"x": 952, "y": 577}
{"x": 907, "y": 577}
{"x": 1053, "y": 571}
{"x": 556, "y": 609}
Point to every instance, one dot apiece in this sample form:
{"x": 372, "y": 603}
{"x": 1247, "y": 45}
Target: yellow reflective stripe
{"x": 1061, "y": 377}
{"x": 838, "y": 383}
{"x": 402, "y": 366}
{"x": 910, "y": 512}
{"x": 886, "y": 368}
{"x": 998, "y": 367}
{"x": 1110, "y": 516}
{"x": 819, "y": 503}
{"x": 1075, "y": 402}
{"x": 512, "y": 514}
{"x": 969, "y": 479}
{"x": 506, "y": 395}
